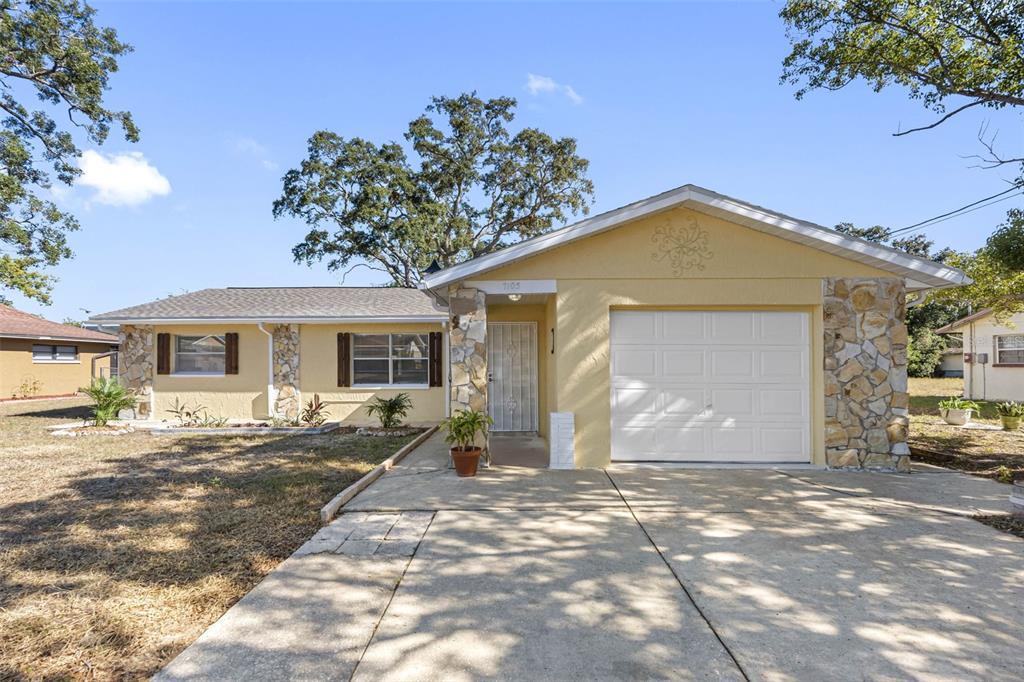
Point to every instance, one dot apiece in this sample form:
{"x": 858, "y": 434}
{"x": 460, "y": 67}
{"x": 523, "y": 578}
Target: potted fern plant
{"x": 957, "y": 411}
{"x": 462, "y": 429}
{"x": 1010, "y": 414}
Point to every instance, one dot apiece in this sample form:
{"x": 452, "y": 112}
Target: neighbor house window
{"x": 47, "y": 353}
{"x": 1010, "y": 349}
{"x": 386, "y": 359}
{"x": 199, "y": 354}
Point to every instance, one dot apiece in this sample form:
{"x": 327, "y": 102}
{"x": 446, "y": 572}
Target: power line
{"x": 959, "y": 211}
{"x": 942, "y": 219}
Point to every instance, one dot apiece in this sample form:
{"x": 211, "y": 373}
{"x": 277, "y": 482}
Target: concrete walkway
{"x": 532, "y": 574}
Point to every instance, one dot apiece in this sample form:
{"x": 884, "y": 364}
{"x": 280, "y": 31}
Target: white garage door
{"x": 710, "y": 386}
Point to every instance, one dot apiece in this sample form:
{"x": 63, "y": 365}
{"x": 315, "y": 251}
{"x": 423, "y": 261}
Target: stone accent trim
{"x": 468, "y": 349}
{"x": 136, "y": 366}
{"x": 866, "y": 399}
{"x": 287, "y": 397}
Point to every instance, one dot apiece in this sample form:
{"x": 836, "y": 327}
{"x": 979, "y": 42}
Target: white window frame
{"x": 391, "y": 358}
{"x": 174, "y": 353}
{"x": 996, "y": 350}
{"x": 53, "y": 359}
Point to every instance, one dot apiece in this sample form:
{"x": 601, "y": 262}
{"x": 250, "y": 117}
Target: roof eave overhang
{"x": 352, "y": 319}
{"x": 918, "y": 272}
{"x": 48, "y": 337}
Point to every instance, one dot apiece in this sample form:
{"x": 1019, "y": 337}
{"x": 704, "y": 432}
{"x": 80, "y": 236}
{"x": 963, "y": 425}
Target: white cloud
{"x": 121, "y": 179}
{"x": 247, "y": 146}
{"x": 537, "y": 85}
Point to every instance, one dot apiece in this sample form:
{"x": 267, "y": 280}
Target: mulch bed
{"x": 1008, "y": 523}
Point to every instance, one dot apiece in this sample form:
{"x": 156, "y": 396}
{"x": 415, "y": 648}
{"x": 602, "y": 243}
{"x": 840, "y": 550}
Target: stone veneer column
{"x": 866, "y": 399}
{"x": 287, "y": 401}
{"x": 135, "y": 364}
{"x": 468, "y": 349}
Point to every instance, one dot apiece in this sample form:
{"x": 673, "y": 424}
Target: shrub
{"x": 958, "y": 403}
{"x": 1010, "y": 409}
{"x": 108, "y": 397}
{"x": 924, "y": 353}
{"x": 390, "y": 411}
{"x": 196, "y": 417}
{"x": 313, "y": 414}
{"x": 463, "y": 427}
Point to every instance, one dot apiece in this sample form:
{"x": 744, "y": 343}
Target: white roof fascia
{"x": 356, "y": 319}
{"x": 924, "y": 273}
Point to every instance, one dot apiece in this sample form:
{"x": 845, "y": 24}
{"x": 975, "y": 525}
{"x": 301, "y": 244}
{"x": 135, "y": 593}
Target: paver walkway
{"x": 637, "y": 574}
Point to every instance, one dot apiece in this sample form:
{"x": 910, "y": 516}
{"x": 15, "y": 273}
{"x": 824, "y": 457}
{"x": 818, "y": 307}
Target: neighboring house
{"x": 952, "y": 363}
{"x": 41, "y": 358}
{"x": 685, "y": 327}
{"x": 993, "y": 357}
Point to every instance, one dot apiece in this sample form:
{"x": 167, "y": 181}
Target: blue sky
{"x": 659, "y": 95}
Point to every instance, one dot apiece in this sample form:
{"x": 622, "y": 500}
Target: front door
{"x": 512, "y": 375}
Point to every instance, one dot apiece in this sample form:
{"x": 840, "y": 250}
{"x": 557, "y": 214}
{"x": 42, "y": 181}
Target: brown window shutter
{"x": 163, "y": 353}
{"x": 435, "y": 359}
{"x": 231, "y": 353}
{"x": 344, "y": 359}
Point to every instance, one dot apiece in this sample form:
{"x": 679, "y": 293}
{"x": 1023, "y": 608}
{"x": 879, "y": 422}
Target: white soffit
{"x": 920, "y": 273}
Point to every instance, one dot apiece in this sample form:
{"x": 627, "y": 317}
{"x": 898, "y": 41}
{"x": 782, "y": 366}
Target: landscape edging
{"x": 329, "y": 510}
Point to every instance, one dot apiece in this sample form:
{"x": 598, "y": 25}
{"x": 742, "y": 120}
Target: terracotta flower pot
{"x": 466, "y": 461}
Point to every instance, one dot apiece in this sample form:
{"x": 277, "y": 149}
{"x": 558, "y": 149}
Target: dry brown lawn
{"x": 994, "y": 454}
{"x": 118, "y": 551}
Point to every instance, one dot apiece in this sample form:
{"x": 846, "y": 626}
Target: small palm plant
{"x": 390, "y": 411}
{"x": 108, "y": 397}
{"x": 462, "y": 429}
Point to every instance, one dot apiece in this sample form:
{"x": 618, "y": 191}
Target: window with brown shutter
{"x": 344, "y": 359}
{"x": 231, "y": 353}
{"x": 435, "y": 359}
{"x": 163, "y": 353}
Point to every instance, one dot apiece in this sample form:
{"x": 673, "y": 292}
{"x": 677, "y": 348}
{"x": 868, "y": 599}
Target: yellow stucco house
{"x": 43, "y": 359}
{"x": 686, "y": 327}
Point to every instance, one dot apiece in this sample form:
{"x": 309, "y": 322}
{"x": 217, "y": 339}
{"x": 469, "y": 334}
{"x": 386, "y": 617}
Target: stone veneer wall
{"x": 468, "y": 349}
{"x": 287, "y": 402}
{"x": 135, "y": 364}
{"x": 866, "y": 399}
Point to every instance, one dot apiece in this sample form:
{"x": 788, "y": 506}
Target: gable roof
{"x": 16, "y": 324}
{"x": 920, "y": 273}
{"x": 964, "y": 321}
{"x": 284, "y": 304}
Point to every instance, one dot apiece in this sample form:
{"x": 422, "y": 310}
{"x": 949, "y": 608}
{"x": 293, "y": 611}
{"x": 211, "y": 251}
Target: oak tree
{"x": 462, "y": 186}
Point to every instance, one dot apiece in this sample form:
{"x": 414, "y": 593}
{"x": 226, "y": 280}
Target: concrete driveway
{"x": 637, "y": 574}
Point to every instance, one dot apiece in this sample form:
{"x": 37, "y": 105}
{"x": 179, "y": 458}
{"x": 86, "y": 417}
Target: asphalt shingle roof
{"x": 268, "y": 303}
{"x": 16, "y": 323}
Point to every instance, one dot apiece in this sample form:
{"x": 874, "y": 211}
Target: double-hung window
{"x": 1010, "y": 349}
{"x": 390, "y": 359}
{"x": 47, "y": 353}
{"x": 199, "y": 354}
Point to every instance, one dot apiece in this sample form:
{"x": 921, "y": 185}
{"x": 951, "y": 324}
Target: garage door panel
{"x": 633, "y": 325}
{"x": 683, "y": 326}
{"x": 683, "y": 363}
{"x": 783, "y": 442}
{"x": 635, "y": 363}
{"x": 687, "y": 402}
{"x": 732, "y": 327}
{"x": 732, "y": 403}
{"x": 635, "y": 443}
{"x": 631, "y": 401}
{"x": 732, "y": 364}
{"x": 731, "y": 442}
{"x": 673, "y": 441}
{"x": 730, "y": 386}
{"x": 790, "y": 403}
{"x": 783, "y": 328}
{"x": 783, "y": 364}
